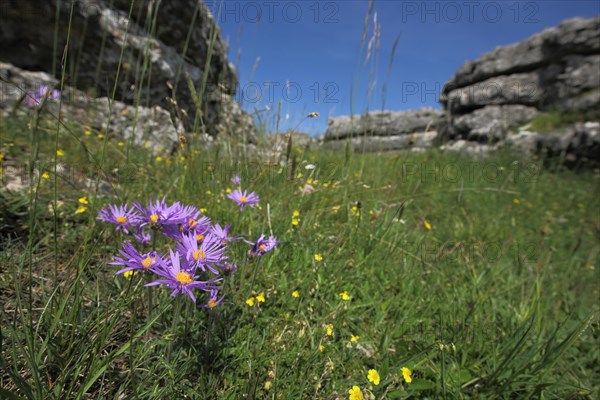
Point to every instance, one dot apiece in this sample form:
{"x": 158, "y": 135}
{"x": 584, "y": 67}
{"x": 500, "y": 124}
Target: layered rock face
{"x": 386, "y": 130}
{"x": 555, "y": 70}
{"x": 144, "y": 52}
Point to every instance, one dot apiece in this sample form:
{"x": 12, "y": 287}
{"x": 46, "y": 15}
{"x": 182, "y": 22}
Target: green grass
{"x": 496, "y": 300}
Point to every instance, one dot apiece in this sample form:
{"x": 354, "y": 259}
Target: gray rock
{"x": 472, "y": 149}
{"x": 491, "y": 123}
{"x": 150, "y": 127}
{"x": 575, "y": 36}
{"x": 385, "y": 123}
{"x": 150, "y": 57}
{"x": 577, "y": 145}
{"x": 416, "y": 141}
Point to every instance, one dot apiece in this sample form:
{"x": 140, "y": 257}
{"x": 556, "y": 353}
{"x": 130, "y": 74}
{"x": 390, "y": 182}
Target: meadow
{"x": 395, "y": 276}
{"x": 380, "y": 276}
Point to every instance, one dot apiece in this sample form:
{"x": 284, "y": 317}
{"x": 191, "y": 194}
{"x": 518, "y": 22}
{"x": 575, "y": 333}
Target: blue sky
{"x": 307, "y": 54}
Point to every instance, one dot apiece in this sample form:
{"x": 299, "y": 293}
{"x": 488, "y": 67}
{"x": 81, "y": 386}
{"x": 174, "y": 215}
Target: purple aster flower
{"x": 243, "y": 198}
{"x": 221, "y": 234}
{"x": 204, "y": 255}
{"x": 142, "y": 236}
{"x": 262, "y": 246}
{"x": 213, "y": 299}
{"x": 133, "y": 260}
{"x": 159, "y": 214}
{"x": 34, "y": 99}
{"x": 180, "y": 280}
{"x": 228, "y": 268}
{"x": 236, "y": 180}
{"x": 119, "y": 216}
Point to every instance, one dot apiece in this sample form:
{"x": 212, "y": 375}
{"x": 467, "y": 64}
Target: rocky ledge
{"x": 147, "y": 52}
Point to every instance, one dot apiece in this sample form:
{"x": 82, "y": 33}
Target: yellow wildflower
{"x": 100, "y": 136}
{"x": 296, "y": 214}
{"x": 83, "y": 200}
{"x": 60, "y": 153}
{"x": 260, "y": 297}
{"x": 159, "y": 158}
{"x": 80, "y": 209}
{"x": 516, "y": 202}
{"x": 344, "y": 295}
{"x": 129, "y": 273}
{"x": 406, "y": 374}
{"x": 373, "y": 376}
{"x": 45, "y": 175}
{"x": 329, "y": 330}
{"x": 295, "y": 221}
{"x": 87, "y": 132}
{"x": 250, "y": 301}
{"x": 295, "y": 294}
{"x": 354, "y": 338}
{"x": 318, "y": 257}
{"x": 121, "y": 144}
{"x": 427, "y": 225}
{"x": 355, "y": 393}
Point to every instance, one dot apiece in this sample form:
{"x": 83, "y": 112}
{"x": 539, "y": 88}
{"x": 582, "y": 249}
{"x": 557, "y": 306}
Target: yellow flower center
{"x": 192, "y": 223}
{"x": 212, "y": 303}
{"x": 183, "y": 277}
{"x": 121, "y": 219}
{"x": 262, "y": 247}
{"x": 154, "y": 218}
{"x": 147, "y": 262}
{"x": 199, "y": 254}
{"x": 199, "y": 237}
{"x": 243, "y": 199}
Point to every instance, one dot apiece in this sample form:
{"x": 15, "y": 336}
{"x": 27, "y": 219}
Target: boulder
{"x": 150, "y": 127}
{"x": 143, "y": 51}
{"x": 490, "y": 123}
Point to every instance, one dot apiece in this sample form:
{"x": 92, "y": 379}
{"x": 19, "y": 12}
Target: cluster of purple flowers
{"x": 34, "y": 99}
{"x": 200, "y": 254}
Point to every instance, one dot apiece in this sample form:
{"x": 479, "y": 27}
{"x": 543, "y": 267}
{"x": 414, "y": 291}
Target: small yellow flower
{"x": 310, "y": 181}
{"x": 45, "y": 175}
{"x": 128, "y": 274}
{"x": 354, "y": 338}
{"x": 318, "y": 257}
{"x": 83, "y": 200}
{"x": 516, "y": 202}
{"x": 329, "y": 330}
{"x": 60, "y": 153}
{"x": 355, "y": 393}
{"x": 158, "y": 159}
{"x": 87, "y": 133}
{"x": 406, "y": 374}
{"x": 295, "y": 294}
{"x": 427, "y": 225}
{"x": 260, "y": 297}
{"x": 268, "y": 385}
{"x": 295, "y": 221}
{"x": 203, "y": 210}
{"x": 250, "y": 301}
{"x": 228, "y": 190}
{"x": 373, "y": 376}
{"x": 344, "y": 295}
{"x": 296, "y": 214}
{"x": 100, "y": 136}
{"x": 121, "y": 144}
{"x": 208, "y": 192}
{"x": 80, "y": 209}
